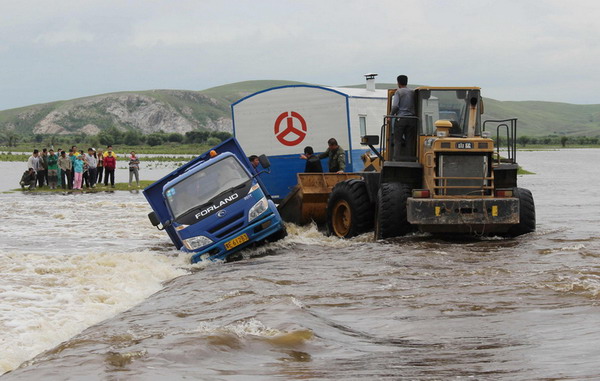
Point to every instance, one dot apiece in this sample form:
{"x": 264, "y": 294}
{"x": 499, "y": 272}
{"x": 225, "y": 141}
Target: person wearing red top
{"x": 110, "y": 163}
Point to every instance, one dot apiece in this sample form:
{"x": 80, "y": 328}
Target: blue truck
{"x": 215, "y": 205}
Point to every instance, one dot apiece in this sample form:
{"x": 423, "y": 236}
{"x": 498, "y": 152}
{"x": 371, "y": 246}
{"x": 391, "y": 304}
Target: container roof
{"x": 359, "y": 92}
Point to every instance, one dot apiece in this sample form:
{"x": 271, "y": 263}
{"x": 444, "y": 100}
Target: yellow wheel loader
{"x": 437, "y": 171}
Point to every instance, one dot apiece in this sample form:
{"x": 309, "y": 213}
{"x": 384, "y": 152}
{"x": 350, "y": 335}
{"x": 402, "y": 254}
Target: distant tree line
{"x": 551, "y": 140}
{"x": 114, "y": 136}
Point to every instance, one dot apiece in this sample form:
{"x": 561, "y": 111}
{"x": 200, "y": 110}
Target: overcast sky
{"x": 514, "y": 50}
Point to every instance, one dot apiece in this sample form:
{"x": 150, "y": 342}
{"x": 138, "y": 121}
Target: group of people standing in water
{"x": 75, "y": 169}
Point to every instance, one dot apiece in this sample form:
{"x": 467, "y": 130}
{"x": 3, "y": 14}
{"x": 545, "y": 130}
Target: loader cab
{"x": 462, "y": 107}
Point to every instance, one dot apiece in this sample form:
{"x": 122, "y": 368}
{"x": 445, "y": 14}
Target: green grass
{"x": 522, "y": 171}
{"x": 99, "y": 188}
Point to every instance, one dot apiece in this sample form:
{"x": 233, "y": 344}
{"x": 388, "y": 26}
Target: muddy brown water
{"x": 308, "y": 307}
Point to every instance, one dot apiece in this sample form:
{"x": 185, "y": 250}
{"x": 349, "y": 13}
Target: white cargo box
{"x": 281, "y": 121}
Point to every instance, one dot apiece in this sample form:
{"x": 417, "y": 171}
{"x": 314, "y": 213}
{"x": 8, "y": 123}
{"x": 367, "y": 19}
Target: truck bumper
{"x": 490, "y": 215}
{"x": 258, "y": 230}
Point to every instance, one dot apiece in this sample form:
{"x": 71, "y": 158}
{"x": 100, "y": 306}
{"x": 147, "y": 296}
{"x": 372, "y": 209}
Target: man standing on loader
{"x": 403, "y": 105}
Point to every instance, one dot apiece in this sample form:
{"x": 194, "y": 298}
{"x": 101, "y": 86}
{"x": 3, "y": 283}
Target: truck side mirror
{"x": 264, "y": 161}
{"x": 369, "y": 140}
{"x": 153, "y": 219}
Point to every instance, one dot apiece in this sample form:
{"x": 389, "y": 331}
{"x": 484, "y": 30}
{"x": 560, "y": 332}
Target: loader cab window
{"x": 452, "y": 105}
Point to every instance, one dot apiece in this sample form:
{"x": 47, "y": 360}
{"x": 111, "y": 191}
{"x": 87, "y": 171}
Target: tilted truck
{"x": 448, "y": 179}
{"x": 215, "y": 205}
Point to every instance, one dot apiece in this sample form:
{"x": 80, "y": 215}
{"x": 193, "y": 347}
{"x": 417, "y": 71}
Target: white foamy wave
{"x": 584, "y": 284}
{"x": 311, "y": 235}
{"x": 242, "y": 328}
{"x": 576, "y": 247}
{"x": 48, "y": 299}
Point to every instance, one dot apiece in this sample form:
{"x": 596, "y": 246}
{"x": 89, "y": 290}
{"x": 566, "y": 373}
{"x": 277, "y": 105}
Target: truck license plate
{"x": 236, "y": 241}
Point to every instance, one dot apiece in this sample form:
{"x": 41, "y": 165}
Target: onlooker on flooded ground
{"x": 99, "y": 166}
{"x": 134, "y": 168}
{"x": 58, "y": 171}
{"x": 43, "y": 172}
{"x": 78, "y": 172}
{"x": 86, "y": 173}
{"x": 110, "y": 164}
{"x": 52, "y": 169}
{"x": 65, "y": 165}
{"x": 28, "y": 179}
{"x": 73, "y": 169}
{"x": 34, "y": 161}
{"x": 73, "y": 157}
{"x": 92, "y": 163}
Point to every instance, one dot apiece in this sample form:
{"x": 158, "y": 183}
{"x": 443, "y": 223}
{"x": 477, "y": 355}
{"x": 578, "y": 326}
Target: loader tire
{"x": 391, "y": 218}
{"x": 349, "y": 211}
{"x": 526, "y": 213}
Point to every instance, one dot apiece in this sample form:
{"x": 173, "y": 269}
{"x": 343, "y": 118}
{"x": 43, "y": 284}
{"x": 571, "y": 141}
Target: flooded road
{"x": 112, "y": 300}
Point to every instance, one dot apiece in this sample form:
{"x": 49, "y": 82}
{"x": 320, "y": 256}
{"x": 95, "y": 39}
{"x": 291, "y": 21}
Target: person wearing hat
{"x": 28, "y": 179}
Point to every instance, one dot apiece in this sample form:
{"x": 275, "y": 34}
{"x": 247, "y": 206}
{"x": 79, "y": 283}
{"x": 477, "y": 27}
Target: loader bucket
{"x": 308, "y": 200}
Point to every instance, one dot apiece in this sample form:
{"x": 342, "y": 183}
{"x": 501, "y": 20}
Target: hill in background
{"x": 184, "y": 110}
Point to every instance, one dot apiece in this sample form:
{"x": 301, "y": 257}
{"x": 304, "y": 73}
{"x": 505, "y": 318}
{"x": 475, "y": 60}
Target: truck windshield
{"x": 201, "y": 187}
{"x": 450, "y": 105}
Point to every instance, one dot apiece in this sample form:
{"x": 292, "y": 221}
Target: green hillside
{"x": 184, "y": 110}
{"x": 537, "y": 118}
{"x": 548, "y": 118}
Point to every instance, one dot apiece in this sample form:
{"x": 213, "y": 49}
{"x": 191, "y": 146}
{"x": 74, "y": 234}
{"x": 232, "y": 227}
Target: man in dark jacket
{"x": 28, "y": 179}
{"x": 313, "y": 163}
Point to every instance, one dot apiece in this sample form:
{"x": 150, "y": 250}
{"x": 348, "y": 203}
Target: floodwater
{"x": 90, "y": 290}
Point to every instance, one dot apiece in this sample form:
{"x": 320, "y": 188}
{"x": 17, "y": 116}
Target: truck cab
{"x": 215, "y": 205}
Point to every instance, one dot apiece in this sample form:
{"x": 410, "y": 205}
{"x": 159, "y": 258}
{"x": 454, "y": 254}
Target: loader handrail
{"x": 511, "y": 137}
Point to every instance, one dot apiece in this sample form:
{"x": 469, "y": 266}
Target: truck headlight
{"x": 197, "y": 242}
{"x": 259, "y": 208}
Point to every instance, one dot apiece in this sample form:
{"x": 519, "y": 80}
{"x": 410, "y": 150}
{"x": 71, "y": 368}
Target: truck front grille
{"x": 227, "y": 225}
{"x": 463, "y": 175}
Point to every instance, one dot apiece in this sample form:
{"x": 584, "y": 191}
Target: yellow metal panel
{"x": 495, "y": 211}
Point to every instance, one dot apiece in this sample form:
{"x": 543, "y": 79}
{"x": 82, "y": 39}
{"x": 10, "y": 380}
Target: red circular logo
{"x": 289, "y": 134}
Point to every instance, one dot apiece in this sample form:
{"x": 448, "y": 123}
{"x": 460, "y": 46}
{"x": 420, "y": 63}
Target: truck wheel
{"x": 278, "y": 236}
{"x": 349, "y": 211}
{"x": 391, "y": 218}
{"x": 526, "y": 213}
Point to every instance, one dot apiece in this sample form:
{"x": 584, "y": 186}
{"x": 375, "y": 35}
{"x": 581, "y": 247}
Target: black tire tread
{"x": 354, "y": 192}
{"x": 391, "y": 210}
{"x": 526, "y": 213}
